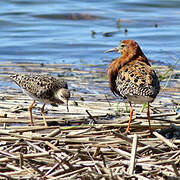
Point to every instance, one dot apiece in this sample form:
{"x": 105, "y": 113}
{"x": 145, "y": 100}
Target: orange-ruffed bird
{"x": 132, "y": 77}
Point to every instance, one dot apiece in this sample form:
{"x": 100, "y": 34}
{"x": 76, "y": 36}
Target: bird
{"x": 132, "y": 77}
{"x": 44, "y": 88}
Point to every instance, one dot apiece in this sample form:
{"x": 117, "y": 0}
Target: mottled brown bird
{"x": 132, "y": 77}
{"x": 43, "y": 88}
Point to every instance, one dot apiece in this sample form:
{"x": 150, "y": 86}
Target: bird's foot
{"x": 32, "y": 124}
{"x": 127, "y": 131}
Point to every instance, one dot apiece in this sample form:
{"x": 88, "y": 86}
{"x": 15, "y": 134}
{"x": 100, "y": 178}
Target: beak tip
{"x": 67, "y": 107}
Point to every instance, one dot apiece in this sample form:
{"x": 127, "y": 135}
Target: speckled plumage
{"x": 131, "y": 75}
{"x": 136, "y": 80}
{"x": 43, "y": 88}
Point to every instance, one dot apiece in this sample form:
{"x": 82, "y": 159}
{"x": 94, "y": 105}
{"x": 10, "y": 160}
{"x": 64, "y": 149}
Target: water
{"x": 54, "y": 31}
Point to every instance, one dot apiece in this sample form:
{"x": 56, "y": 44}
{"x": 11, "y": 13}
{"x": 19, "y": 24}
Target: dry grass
{"x": 89, "y": 142}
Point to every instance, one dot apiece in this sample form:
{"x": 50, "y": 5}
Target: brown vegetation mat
{"x": 89, "y": 142}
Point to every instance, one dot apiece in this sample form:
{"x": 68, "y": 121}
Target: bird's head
{"x": 64, "y": 95}
{"x": 126, "y": 47}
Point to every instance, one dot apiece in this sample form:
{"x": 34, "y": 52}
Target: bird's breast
{"x": 139, "y": 99}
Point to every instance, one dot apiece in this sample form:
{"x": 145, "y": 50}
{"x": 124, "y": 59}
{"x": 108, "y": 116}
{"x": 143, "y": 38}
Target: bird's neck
{"x": 138, "y": 55}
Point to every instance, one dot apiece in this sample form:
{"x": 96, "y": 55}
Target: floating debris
{"x": 125, "y": 31}
{"x": 156, "y": 25}
{"x": 93, "y": 33}
{"x": 70, "y": 16}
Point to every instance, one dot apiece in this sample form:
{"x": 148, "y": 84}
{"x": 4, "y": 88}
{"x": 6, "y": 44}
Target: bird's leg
{"x": 131, "y": 114}
{"x": 149, "y": 118}
{"x": 44, "y": 118}
{"x": 30, "y": 110}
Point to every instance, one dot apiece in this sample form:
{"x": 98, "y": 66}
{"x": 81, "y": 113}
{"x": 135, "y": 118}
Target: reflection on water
{"x": 80, "y": 31}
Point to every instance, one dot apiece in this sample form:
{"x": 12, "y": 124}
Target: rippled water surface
{"x": 69, "y": 31}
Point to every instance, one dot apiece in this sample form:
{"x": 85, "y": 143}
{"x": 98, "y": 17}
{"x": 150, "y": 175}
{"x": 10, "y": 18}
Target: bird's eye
{"x": 123, "y": 45}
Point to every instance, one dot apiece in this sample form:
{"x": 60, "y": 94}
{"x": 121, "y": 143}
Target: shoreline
{"x": 89, "y": 140}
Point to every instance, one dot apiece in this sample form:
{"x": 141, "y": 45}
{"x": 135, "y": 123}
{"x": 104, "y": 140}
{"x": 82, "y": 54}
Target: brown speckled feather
{"x": 132, "y": 77}
{"x": 137, "y": 79}
{"x": 40, "y": 87}
{"x": 131, "y": 74}
{"x": 43, "y": 88}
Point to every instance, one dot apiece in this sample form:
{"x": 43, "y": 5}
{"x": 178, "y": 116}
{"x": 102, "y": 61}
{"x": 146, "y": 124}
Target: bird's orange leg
{"x": 131, "y": 114}
{"x": 44, "y": 118}
{"x": 30, "y": 110}
{"x": 149, "y": 118}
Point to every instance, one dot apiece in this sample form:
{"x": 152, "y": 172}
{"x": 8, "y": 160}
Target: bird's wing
{"x": 38, "y": 84}
{"x": 137, "y": 79}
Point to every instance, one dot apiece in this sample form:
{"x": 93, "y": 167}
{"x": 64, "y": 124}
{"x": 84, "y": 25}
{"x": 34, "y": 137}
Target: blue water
{"x": 54, "y": 31}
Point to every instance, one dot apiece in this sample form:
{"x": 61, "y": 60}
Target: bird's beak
{"x": 111, "y": 50}
{"x": 67, "y": 106}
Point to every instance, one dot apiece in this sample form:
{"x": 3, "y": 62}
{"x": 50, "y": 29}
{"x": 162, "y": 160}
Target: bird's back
{"x": 39, "y": 87}
{"x": 137, "y": 82}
